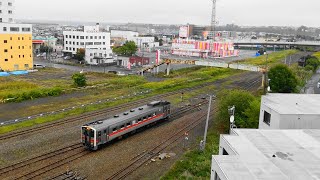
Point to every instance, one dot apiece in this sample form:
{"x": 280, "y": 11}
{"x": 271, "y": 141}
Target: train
{"x": 97, "y": 133}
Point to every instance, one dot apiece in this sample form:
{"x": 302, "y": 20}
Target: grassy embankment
{"x": 120, "y": 85}
{"x": 273, "y": 58}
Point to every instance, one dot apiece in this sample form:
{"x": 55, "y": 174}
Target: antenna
{"x": 213, "y": 18}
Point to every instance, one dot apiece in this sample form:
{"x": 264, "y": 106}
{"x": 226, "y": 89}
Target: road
{"x": 312, "y": 85}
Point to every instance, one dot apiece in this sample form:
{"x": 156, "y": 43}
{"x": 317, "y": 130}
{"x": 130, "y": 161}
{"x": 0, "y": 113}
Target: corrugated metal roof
{"x": 272, "y": 154}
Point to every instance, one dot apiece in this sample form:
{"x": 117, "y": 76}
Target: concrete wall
{"x": 275, "y": 117}
{"x": 5, "y": 15}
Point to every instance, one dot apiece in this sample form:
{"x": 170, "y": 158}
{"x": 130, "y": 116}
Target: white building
{"x": 98, "y": 56}
{"x": 88, "y": 37}
{"x": 268, "y": 155}
{"x": 290, "y": 111}
{"x": 144, "y": 42}
{"x": 7, "y": 11}
{"x": 123, "y": 34}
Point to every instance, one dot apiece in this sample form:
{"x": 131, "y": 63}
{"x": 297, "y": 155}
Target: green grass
{"x": 196, "y": 164}
{"x": 121, "y": 86}
{"x": 273, "y": 58}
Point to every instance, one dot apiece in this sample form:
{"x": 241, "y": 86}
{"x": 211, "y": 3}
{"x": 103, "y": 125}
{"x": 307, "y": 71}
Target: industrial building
{"x": 250, "y": 154}
{"x": 290, "y": 111}
{"x": 15, "y": 40}
{"x": 92, "y": 38}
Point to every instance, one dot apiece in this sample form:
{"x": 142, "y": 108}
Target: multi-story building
{"x": 88, "y": 37}
{"x": 15, "y": 40}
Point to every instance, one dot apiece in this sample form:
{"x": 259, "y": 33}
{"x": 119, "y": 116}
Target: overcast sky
{"x": 241, "y": 12}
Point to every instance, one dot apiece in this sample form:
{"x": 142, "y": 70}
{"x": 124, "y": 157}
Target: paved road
{"x": 312, "y": 85}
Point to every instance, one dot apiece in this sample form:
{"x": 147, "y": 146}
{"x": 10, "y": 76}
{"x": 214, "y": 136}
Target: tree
{"x": 128, "y": 49}
{"x": 282, "y": 79}
{"x": 79, "y": 79}
{"x": 45, "y": 49}
{"x": 80, "y": 54}
{"x": 242, "y": 100}
{"x": 314, "y": 63}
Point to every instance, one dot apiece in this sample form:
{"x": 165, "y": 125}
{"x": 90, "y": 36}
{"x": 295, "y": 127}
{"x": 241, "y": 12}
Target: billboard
{"x": 184, "y": 32}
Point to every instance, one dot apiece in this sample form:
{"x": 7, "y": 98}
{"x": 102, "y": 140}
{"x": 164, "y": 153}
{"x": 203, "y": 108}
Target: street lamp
{"x": 203, "y": 142}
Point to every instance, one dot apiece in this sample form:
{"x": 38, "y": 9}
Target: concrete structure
{"x": 123, "y": 34}
{"x": 267, "y": 154}
{"x": 7, "y": 11}
{"x": 46, "y": 41}
{"x": 290, "y": 111}
{"x": 99, "y": 56}
{"x": 15, "y": 40}
{"x": 88, "y": 37}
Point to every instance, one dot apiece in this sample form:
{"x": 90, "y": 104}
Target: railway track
{"x": 147, "y": 156}
{"x": 66, "y": 155}
{"x": 103, "y": 112}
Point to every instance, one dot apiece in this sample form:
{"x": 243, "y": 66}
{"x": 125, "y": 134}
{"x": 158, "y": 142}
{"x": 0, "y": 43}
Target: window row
{"x": 19, "y": 38}
{"x": 76, "y": 49}
{"x": 19, "y": 47}
{"x": 84, "y": 37}
{"x": 20, "y": 56}
{"x": 9, "y": 3}
{"x": 115, "y": 129}
{"x": 87, "y": 43}
{"x": 16, "y": 29}
{"x": 100, "y": 54}
{"x": 9, "y": 12}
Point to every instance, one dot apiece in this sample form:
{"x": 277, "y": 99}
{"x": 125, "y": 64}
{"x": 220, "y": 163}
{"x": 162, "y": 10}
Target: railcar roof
{"x": 102, "y": 124}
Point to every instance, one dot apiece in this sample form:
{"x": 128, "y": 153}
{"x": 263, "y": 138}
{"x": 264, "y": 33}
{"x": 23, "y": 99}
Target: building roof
{"x": 271, "y": 155}
{"x": 293, "y": 103}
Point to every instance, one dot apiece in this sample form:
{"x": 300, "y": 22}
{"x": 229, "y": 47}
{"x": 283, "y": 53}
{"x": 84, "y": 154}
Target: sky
{"x": 240, "y": 12}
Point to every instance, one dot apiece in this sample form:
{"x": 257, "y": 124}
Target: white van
{"x": 38, "y": 66}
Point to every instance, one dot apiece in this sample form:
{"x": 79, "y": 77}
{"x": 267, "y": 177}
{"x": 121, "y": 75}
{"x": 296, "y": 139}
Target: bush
{"x": 79, "y": 79}
{"x": 282, "y": 79}
{"x": 246, "y": 113}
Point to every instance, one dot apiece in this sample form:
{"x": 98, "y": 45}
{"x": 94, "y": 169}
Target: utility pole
{"x": 203, "y": 142}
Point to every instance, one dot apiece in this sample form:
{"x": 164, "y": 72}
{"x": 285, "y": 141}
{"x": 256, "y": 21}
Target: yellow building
{"x": 16, "y": 47}
{"x": 15, "y": 40}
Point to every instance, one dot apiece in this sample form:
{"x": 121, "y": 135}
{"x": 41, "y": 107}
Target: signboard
{"x": 158, "y": 52}
{"x": 184, "y": 32}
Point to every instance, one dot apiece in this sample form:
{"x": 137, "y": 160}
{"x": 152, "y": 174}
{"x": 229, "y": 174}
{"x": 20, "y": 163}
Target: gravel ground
{"x": 106, "y": 161}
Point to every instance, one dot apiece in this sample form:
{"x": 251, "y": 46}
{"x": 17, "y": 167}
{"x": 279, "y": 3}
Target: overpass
{"x": 277, "y": 43}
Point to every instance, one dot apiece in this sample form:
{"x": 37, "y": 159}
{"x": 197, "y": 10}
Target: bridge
{"x": 277, "y": 43}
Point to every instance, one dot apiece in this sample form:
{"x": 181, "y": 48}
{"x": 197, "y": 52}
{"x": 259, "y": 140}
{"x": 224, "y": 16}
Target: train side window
{"x": 154, "y": 114}
{"x": 99, "y": 133}
{"x": 150, "y": 115}
{"x": 128, "y": 124}
{"x": 105, "y": 132}
{"x": 114, "y": 129}
{"x": 145, "y": 117}
{"x": 133, "y": 122}
{"x": 122, "y": 126}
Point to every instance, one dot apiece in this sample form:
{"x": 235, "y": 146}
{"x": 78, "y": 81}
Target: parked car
{"x": 318, "y": 84}
{"x": 38, "y": 66}
{"x": 67, "y": 58}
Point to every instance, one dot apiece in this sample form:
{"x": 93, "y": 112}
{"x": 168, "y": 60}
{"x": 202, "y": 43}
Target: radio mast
{"x": 213, "y": 18}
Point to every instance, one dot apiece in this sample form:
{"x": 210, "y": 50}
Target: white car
{"x": 38, "y": 66}
{"x": 318, "y": 85}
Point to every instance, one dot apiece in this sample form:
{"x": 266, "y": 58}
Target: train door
{"x": 88, "y": 137}
{"x": 166, "y": 111}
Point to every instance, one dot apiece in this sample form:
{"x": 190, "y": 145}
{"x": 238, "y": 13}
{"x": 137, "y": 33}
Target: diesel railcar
{"x": 97, "y": 133}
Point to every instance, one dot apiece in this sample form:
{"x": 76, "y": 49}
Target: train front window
{"x": 91, "y": 133}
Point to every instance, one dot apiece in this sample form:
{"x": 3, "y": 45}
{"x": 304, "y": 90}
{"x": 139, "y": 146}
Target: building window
{"x": 14, "y": 29}
{"x": 5, "y": 41}
{"x": 6, "y": 50}
{"x": 0, "y": 11}
{"x": 18, "y": 38}
{"x": 19, "y": 47}
{"x": 104, "y": 43}
{"x": 10, "y": 20}
{"x": 9, "y": 12}
{"x": 9, "y": 3}
{"x": 0, "y": 19}
{"x": 67, "y": 48}
{"x": 11, "y": 39}
{"x": 19, "y": 56}
{"x": 66, "y": 36}
{"x": 66, "y": 42}
{"x": 91, "y": 37}
{"x": 81, "y": 37}
{"x": 26, "y": 66}
{"x": 78, "y": 43}
{"x": 87, "y": 37}
{"x": 99, "y": 37}
{"x": 22, "y": 47}
{"x": 103, "y": 37}
{"x": 74, "y": 37}
{"x": 267, "y": 118}
{"x": 82, "y": 43}
{"x": 74, "y": 49}
{"x": 73, "y": 43}
{"x": 23, "y": 56}
{"x": 4, "y": 28}
{"x": 224, "y": 152}
{"x": 22, "y": 38}
{"x": 95, "y": 37}
{"x": 5, "y": 59}
{"x": 26, "y": 29}
{"x": 77, "y": 37}
{"x": 91, "y": 54}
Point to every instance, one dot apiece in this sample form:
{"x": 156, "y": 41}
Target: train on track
{"x": 100, "y": 132}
